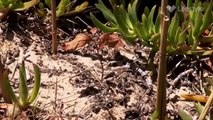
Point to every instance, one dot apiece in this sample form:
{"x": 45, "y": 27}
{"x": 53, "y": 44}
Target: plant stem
{"x": 207, "y": 106}
{"x": 161, "y": 79}
{"x": 54, "y": 29}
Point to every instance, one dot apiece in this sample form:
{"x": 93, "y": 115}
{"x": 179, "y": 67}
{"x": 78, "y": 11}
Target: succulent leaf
{"x": 196, "y": 27}
{"x": 23, "y": 90}
{"x": 141, "y": 31}
{"x": 150, "y": 20}
{"x": 77, "y": 9}
{"x": 173, "y": 27}
{"x": 25, "y": 5}
{"x": 180, "y": 13}
{"x": 100, "y": 25}
{"x": 48, "y": 2}
{"x": 146, "y": 11}
{"x": 7, "y": 87}
{"x": 124, "y": 15}
{"x": 176, "y": 38}
{"x": 106, "y": 12}
{"x": 182, "y": 38}
{"x": 157, "y": 24}
{"x": 62, "y": 7}
{"x": 132, "y": 13}
{"x": 37, "y": 83}
{"x": 123, "y": 28}
{"x": 198, "y": 107}
{"x": 206, "y": 20}
{"x": 184, "y": 115}
{"x": 145, "y": 23}
{"x": 189, "y": 3}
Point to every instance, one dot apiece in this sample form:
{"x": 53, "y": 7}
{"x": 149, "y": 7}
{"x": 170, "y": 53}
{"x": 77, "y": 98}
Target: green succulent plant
{"x": 176, "y": 35}
{"x": 24, "y": 99}
{"x": 120, "y": 20}
{"x": 127, "y": 23}
{"x": 182, "y": 31}
{"x": 14, "y": 5}
{"x": 199, "y": 21}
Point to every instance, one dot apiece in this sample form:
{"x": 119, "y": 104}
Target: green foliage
{"x": 199, "y": 21}
{"x": 126, "y": 22}
{"x": 184, "y": 115}
{"x": 176, "y": 36}
{"x": 147, "y": 29}
{"x": 15, "y": 5}
{"x": 65, "y": 7}
{"x": 198, "y": 107}
{"x": 182, "y": 31}
{"x": 123, "y": 21}
{"x": 24, "y": 99}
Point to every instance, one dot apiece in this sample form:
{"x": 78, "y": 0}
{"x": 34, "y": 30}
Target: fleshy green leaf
{"x": 176, "y": 38}
{"x": 206, "y": 20}
{"x": 124, "y": 15}
{"x": 132, "y": 12}
{"x": 130, "y": 38}
{"x": 78, "y": 9}
{"x": 157, "y": 24}
{"x": 25, "y": 5}
{"x": 207, "y": 52}
{"x": 196, "y": 27}
{"x": 141, "y": 31}
{"x": 179, "y": 13}
{"x": 150, "y": 20}
{"x": 8, "y": 88}
{"x": 82, "y": 6}
{"x": 100, "y": 25}
{"x": 48, "y": 2}
{"x": 184, "y": 115}
{"x": 23, "y": 90}
{"x": 122, "y": 27}
{"x": 62, "y": 7}
{"x": 189, "y": 3}
{"x": 37, "y": 83}
{"x": 190, "y": 38}
{"x": 207, "y": 91}
{"x": 6, "y": 3}
{"x": 146, "y": 11}
{"x": 173, "y": 27}
{"x": 145, "y": 23}
{"x": 198, "y": 108}
{"x": 182, "y": 38}
{"x": 155, "y": 37}
{"x": 106, "y": 12}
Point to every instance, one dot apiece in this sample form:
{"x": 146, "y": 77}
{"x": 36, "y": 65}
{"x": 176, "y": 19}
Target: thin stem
{"x": 54, "y": 29}
{"x": 161, "y": 80}
{"x": 207, "y": 106}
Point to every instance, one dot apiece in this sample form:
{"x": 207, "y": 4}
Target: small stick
{"x": 180, "y": 76}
